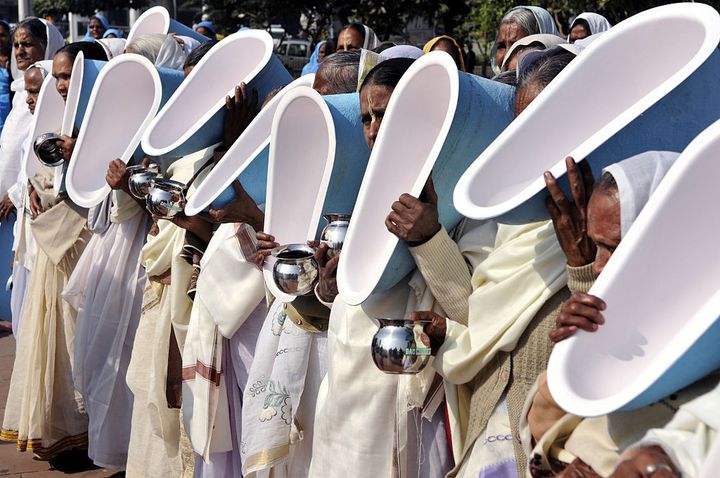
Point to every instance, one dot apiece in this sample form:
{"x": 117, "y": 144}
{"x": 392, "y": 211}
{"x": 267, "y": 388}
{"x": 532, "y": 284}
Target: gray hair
{"x": 542, "y": 71}
{"x": 340, "y": 71}
{"x": 147, "y": 45}
{"x": 524, "y": 18}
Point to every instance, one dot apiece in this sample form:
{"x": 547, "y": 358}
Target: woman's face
{"x": 61, "y": 70}
{"x": 96, "y": 28}
{"x": 28, "y": 49}
{"x": 33, "y": 83}
{"x": 578, "y": 32}
{"x": 205, "y": 31}
{"x": 322, "y": 52}
{"x": 373, "y": 103}
{"x": 508, "y": 33}
{"x": 603, "y": 226}
{"x": 349, "y": 39}
{"x": 111, "y": 35}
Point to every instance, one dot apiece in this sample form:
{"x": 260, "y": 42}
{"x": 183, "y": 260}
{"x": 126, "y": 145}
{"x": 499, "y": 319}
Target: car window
{"x": 282, "y": 49}
{"x": 297, "y": 49}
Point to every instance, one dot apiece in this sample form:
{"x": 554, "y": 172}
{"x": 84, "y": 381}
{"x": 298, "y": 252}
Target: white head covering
{"x": 371, "y": 39}
{"x": 171, "y": 55}
{"x": 113, "y": 46}
{"x": 637, "y": 178}
{"x": 544, "y": 39}
{"x": 189, "y": 44}
{"x": 402, "y": 51}
{"x": 55, "y": 41}
{"x": 595, "y": 21}
{"x": 545, "y": 21}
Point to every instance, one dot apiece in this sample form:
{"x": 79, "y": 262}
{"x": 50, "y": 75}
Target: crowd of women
{"x": 152, "y": 346}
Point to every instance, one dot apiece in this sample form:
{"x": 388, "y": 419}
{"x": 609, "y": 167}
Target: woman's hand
{"x": 240, "y": 111}
{"x": 580, "y": 311}
{"x": 195, "y": 224}
{"x": 6, "y": 208}
{"x": 327, "y": 284}
{"x": 265, "y": 244}
{"x": 570, "y": 220}
{"x": 67, "y": 145}
{"x": 242, "y": 209}
{"x": 435, "y": 330}
{"x": 35, "y": 203}
{"x": 117, "y": 176}
{"x": 415, "y": 220}
{"x": 645, "y": 462}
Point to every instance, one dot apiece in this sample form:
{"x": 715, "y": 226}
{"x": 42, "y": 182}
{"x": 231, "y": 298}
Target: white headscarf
{"x": 113, "y": 46}
{"x": 545, "y": 21}
{"x": 371, "y": 39}
{"x": 189, "y": 44}
{"x": 637, "y": 178}
{"x": 171, "y": 55}
{"x": 595, "y": 21}
{"x": 55, "y": 41}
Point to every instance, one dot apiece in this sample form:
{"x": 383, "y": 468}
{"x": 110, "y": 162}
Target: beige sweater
{"x": 510, "y": 373}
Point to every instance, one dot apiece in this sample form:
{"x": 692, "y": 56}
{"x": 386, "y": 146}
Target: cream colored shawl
{"x": 524, "y": 270}
{"x": 162, "y": 252}
{"x": 229, "y": 290}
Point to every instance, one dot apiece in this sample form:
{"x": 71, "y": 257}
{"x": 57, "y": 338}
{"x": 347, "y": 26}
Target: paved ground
{"x": 13, "y": 463}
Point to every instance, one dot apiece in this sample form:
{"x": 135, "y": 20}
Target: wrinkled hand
{"x": 240, "y": 111}
{"x": 6, "y": 208}
{"x": 35, "y": 203}
{"x": 67, "y": 145}
{"x": 242, "y": 209}
{"x": 117, "y": 175}
{"x": 580, "y": 311}
{"x": 415, "y": 220}
{"x": 195, "y": 224}
{"x": 265, "y": 244}
{"x": 570, "y": 220}
{"x": 636, "y": 462}
{"x": 435, "y": 330}
{"x": 578, "y": 469}
{"x": 327, "y": 284}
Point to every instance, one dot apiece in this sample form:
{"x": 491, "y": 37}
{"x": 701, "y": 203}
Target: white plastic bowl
{"x": 297, "y": 177}
{"x": 124, "y": 100}
{"x": 662, "y": 288}
{"x": 157, "y": 20}
{"x": 47, "y": 119}
{"x": 192, "y": 119}
{"x": 611, "y": 83}
{"x": 242, "y": 153}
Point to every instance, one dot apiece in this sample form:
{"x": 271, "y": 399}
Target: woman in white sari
{"x": 369, "y": 423}
{"x": 36, "y": 40}
{"x": 44, "y": 413}
{"x": 106, "y": 290}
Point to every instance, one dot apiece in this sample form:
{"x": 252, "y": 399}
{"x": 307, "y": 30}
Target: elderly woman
{"x": 106, "y": 290}
{"x": 450, "y": 46}
{"x": 517, "y": 23}
{"x": 97, "y": 26}
{"x": 589, "y": 231}
{"x": 500, "y": 286}
{"x": 356, "y": 36}
{"x": 44, "y": 413}
{"x": 381, "y": 412}
{"x": 33, "y": 40}
{"x": 586, "y": 24}
{"x": 158, "y": 444}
